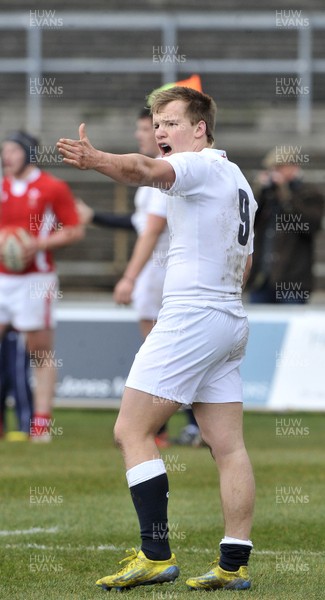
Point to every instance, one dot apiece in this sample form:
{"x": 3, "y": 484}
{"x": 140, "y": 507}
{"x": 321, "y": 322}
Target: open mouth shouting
{"x": 165, "y": 149}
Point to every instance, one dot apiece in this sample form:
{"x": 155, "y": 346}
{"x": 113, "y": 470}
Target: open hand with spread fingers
{"x": 79, "y": 153}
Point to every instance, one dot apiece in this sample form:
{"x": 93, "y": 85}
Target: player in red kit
{"x": 45, "y": 207}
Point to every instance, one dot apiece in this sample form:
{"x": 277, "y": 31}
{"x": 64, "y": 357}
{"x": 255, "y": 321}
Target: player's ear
{"x": 200, "y": 129}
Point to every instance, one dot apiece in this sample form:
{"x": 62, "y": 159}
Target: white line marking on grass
{"x": 29, "y": 546}
{"x": 30, "y": 531}
{"x": 258, "y": 552}
{"x": 113, "y": 548}
{"x": 277, "y": 552}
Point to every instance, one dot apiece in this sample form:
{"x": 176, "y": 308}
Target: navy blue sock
{"x": 234, "y": 556}
{"x": 150, "y": 500}
{"x": 191, "y": 418}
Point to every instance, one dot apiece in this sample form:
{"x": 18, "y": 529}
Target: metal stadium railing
{"x": 34, "y": 64}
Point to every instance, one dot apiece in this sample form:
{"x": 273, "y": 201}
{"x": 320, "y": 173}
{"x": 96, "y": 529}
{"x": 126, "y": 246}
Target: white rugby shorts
{"x": 27, "y": 301}
{"x": 192, "y": 355}
{"x": 147, "y": 294}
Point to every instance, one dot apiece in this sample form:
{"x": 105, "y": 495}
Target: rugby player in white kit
{"x": 192, "y": 355}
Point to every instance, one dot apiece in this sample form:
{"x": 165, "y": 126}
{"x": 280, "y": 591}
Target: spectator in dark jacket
{"x": 288, "y": 218}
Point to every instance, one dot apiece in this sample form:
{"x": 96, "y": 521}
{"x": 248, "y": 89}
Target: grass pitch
{"x": 66, "y": 517}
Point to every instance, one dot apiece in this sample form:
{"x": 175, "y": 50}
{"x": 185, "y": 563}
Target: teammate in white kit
{"x": 144, "y": 276}
{"x": 192, "y": 355}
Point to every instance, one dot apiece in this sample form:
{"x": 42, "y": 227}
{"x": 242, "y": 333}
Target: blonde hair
{"x": 200, "y": 107}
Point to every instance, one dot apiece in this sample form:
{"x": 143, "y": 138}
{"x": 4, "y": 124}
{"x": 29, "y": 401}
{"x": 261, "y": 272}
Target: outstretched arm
{"x": 132, "y": 169}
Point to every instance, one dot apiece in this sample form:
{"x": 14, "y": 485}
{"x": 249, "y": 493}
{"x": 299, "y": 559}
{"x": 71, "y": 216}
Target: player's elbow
{"x": 155, "y": 225}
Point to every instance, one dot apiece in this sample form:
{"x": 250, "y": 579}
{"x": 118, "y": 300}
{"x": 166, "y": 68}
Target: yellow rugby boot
{"x": 139, "y": 570}
{"x": 217, "y": 578}
{"x": 17, "y": 436}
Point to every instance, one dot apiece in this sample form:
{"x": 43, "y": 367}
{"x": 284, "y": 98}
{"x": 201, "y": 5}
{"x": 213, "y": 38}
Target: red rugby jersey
{"x": 40, "y": 204}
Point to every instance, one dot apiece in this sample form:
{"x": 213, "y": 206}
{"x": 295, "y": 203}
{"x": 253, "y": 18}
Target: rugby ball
{"x": 13, "y": 243}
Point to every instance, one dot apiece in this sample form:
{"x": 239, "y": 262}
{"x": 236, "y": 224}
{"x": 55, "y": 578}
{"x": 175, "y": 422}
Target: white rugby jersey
{"x": 210, "y": 212}
{"x": 148, "y": 201}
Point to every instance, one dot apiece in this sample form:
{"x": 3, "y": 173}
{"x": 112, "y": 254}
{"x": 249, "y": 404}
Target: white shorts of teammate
{"x": 147, "y": 294}
{"x": 27, "y": 301}
{"x": 192, "y": 355}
